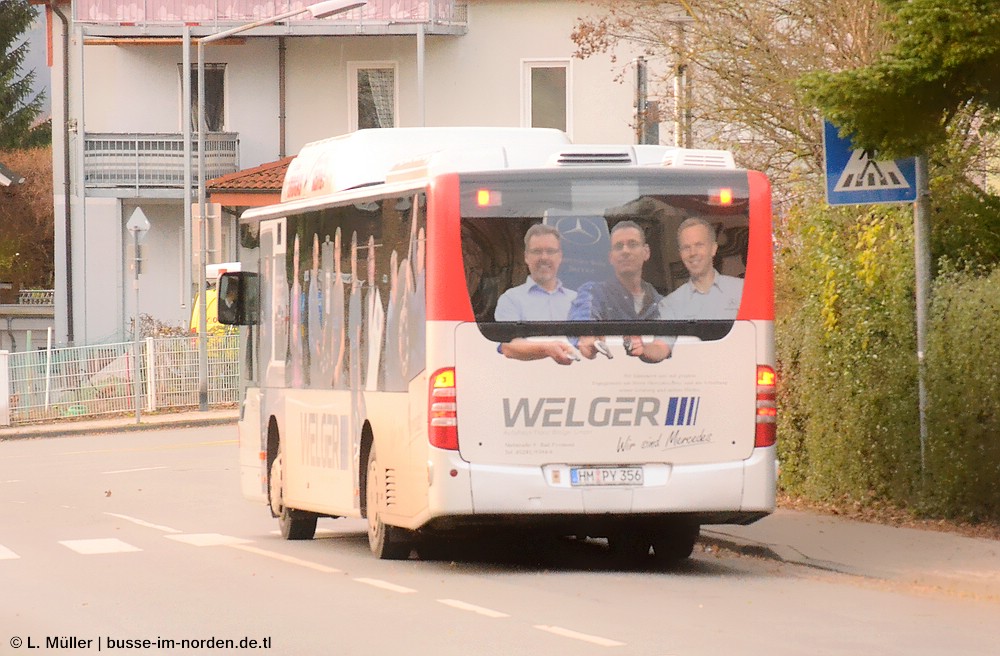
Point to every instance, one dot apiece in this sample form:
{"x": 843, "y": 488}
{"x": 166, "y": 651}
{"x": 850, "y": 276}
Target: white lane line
{"x": 291, "y": 560}
{"x": 207, "y": 539}
{"x": 575, "y": 635}
{"x": 99, "y": 546}
{"x": 7, "y": 554}
{"x": 385, "y": 585}
{"x": 140, "y": 522}
{"x": 461, "y": 605}
{"x": 129, "y": 471}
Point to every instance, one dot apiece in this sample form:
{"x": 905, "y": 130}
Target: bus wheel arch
{"x": 294, "y": 524}
{"x": 387, "y": 542}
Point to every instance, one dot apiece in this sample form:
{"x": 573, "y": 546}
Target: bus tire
{"x": 386, "y": 542}
{"x": 294, "y": 524}
{"x": 629, "y": 549}
{"x": 677, "y": 543}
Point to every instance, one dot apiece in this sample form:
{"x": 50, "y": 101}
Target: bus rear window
{"x": 646, "y": 246}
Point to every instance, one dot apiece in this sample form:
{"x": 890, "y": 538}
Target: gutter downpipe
{"x": 67, "y": 199}
{"x": 281, "y": 97}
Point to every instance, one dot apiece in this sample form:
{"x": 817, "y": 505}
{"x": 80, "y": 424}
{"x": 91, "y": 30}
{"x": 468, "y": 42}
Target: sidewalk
{"x": 952, "y": 563}
{"x": 928, "y": 559}
{"x": 148, "y": 421}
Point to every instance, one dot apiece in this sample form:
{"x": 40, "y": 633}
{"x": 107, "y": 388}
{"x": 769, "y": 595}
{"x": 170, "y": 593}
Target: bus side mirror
{"x": 239, "y": 298}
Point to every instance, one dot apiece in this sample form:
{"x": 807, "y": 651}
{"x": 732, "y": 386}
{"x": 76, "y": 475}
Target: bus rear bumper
{"x": 737, "y": 492}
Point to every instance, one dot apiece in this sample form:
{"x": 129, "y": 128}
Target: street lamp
{"x": 316, "y": 10}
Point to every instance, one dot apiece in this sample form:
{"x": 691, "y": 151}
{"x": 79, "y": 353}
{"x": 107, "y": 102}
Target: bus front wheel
{"x": 386, "y": 542}
{"x": 294, "y": 524}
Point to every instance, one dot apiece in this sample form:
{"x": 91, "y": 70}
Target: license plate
{"x": 585, "y": 476}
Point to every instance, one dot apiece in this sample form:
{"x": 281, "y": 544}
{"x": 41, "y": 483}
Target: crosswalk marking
{"x": 99, "y": 546}
{"x": 7, "y": 554}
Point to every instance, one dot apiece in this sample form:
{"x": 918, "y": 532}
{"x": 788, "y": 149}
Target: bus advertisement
{"x": 454, "y": 331}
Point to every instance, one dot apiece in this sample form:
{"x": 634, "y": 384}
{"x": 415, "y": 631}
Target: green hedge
{"x": 846, "y": 339}
{"x": 963, "y": 385}
{"x": 848, "y": 420}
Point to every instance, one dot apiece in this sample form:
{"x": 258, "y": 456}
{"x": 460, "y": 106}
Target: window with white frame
{"x": 373, "y": 95}
{"x": 546, "y": 94}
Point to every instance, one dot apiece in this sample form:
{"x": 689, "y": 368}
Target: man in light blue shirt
{"x": 707, "y": 294}
{"x": 542, "y": 297}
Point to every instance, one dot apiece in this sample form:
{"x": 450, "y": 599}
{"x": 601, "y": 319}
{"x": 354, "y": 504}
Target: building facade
{"x": 124, "y": 98}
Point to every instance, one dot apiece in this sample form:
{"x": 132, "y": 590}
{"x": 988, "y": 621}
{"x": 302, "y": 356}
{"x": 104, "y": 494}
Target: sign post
{"x": 138, "y": 225}
{"x": 855, "y": 176}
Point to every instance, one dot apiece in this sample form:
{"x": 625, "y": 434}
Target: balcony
{"x": 168, "y": 17}
{"x": 153, "y": 160}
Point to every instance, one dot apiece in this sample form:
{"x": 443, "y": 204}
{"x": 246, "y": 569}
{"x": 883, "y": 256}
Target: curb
{"x": 979, "y": 585}
{"x": 71, "y": 429}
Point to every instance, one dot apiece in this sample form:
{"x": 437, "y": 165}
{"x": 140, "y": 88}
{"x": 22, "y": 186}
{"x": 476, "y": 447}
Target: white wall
{"x": 475, "y": 79}
{"x": 160, "y": 293}
{"x": 138, "y": 89}
{"x": 100, "y": 318}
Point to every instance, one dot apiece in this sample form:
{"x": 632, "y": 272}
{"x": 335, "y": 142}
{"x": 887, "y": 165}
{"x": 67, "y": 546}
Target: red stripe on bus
{"x": 447, "y": 290}
{"x": 758, "y": 284}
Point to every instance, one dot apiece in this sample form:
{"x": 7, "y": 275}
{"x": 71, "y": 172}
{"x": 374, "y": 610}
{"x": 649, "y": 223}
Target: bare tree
{"x": 27, "y": 220}
{"x": 742, "y": 61}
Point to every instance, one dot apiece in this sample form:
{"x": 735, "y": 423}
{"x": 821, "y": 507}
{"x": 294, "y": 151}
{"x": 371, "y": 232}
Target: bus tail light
{"x": 442, "y": 411}
{"x": 766, "y": 433}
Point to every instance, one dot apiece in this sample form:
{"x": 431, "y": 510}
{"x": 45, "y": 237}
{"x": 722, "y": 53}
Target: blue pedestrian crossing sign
{"x": 855, "y": 176}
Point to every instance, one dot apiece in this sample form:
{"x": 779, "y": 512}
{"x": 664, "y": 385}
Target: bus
{"x": 379, "y": 380}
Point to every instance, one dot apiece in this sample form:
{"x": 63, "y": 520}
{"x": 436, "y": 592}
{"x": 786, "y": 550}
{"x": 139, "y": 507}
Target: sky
{"x": 36, "y": 60}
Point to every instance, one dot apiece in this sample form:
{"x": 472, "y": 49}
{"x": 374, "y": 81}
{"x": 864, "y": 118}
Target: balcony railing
{"x": 154, "y": 160}
{"x": 223, "y": 13}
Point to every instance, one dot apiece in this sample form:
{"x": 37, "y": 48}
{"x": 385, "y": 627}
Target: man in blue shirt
{"x": 707, "y": 294}
{"x": 626, "y": 297}
{"x": 542, "y": 297}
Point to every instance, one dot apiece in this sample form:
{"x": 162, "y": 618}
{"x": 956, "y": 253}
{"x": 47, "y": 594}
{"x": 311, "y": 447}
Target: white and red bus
{"x": 376, "y": 380}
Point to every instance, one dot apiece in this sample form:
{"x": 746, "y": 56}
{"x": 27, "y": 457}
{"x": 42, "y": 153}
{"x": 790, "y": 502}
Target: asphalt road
{"x": 143, "y": 537}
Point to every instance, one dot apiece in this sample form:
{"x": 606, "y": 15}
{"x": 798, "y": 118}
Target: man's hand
{"x": 526, "y": 349}
{"x": 655, "y": 351}
{"x": 588, "y": 346}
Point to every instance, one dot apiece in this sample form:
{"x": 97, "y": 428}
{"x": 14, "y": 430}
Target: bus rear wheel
{"x": 294, "y": 524}
{"x": 677, "y": 543}
{"x": 386, "y": 542}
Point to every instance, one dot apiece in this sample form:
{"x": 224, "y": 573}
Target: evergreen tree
{"x": 945, "y": 63}
{"x": 18, "y": 108}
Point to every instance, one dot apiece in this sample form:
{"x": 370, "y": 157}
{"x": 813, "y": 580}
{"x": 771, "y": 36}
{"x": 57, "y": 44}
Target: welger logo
{"x": 682, "y": 410}
{"x": 623, "y": 411}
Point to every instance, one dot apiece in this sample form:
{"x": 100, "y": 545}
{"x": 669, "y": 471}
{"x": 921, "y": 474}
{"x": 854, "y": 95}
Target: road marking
{"x": 461, "y": 605}
{"x": 566, "y": 633}
{"x": 291, "y": 560}
{"x": 7, "y": 554}
{"x": 385, "y": 585}
{"x": 141, "y": 449}
{"x": 99, "y": 546}
{"x": 207, "y": 539}
{"x": 140, "y": 522}
{"x": 129, "y": 471}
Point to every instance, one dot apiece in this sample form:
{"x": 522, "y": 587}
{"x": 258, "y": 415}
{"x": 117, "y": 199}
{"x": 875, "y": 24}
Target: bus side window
{"x": 239, "y": 294}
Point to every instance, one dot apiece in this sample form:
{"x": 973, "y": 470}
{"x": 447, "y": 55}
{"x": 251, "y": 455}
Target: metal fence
{"x": 46, "y": 385}
{"x": 153, "y": 159}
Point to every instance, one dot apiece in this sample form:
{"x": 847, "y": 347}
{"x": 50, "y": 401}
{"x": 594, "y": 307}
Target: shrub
{"x": 963, "y": 379}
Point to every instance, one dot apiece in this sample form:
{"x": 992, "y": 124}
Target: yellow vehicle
{"x": 212, "y": 325}
{"x": 211, "y": 295}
